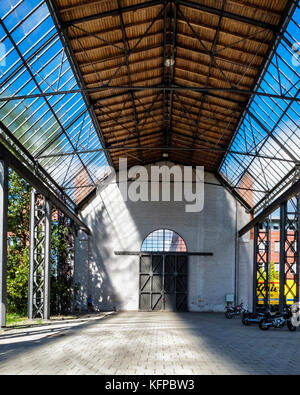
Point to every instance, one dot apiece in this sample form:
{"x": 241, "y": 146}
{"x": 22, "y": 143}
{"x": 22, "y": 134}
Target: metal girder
{"x": 76, "y": 70}
{"x": 29, "y": 160}
{"x": 128, "y": 88}
{"x": 3, "y": 237}
{"x": 287, "y": 283}
{"x": 277, "y": 35}
{"x": 126, "y": 54}
{"x": 261, "y": 265}
{"x": 232, "y": 191}
{"x": 173, "y": 148}
{"x": 39, "y": 270}
{"x": 190, "y": 4}
{"x": 288, "y": 194}
{"x": 33, "y": 180}
{"x": 289, "y": 251}
{"x": 32, "y": 75}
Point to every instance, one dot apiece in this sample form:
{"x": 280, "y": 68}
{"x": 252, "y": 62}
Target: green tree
{"x": 18, "y": 241}
{"x": 18, "y": 254}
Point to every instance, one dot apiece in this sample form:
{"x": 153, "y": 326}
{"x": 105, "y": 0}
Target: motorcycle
{"x": 234, "y": 310}
{"x": 249, "y": 318}
{"x": 277, "y": 320}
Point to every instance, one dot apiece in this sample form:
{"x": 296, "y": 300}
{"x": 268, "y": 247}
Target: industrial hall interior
{"x": 149, "y": 178}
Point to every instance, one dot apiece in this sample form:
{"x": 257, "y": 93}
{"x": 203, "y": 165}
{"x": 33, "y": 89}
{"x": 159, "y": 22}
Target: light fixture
{"x": 165, "y": 155}
{"x": 169, "y": 62}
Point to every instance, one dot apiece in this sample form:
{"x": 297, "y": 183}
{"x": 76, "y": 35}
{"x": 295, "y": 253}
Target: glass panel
{"x": 267, "y": 143}
{"x": 33, "y": 63}
{"x": 164, "y": 240}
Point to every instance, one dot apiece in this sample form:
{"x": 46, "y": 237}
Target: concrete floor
{"x": 150, "y": 343}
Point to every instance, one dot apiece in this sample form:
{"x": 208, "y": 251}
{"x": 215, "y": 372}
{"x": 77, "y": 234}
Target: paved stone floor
{"x": 150, "y": 343}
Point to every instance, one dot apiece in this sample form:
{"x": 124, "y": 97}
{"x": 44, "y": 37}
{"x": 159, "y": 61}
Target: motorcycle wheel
{"x": 245, "y": 321}
{"x": 228, "y": 315}
{"x": 291, "y": 327}
{"x": 263, "y": 326}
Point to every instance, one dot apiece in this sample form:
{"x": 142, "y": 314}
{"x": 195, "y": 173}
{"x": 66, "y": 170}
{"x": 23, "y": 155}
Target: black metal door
{"x": 163, "y": 282}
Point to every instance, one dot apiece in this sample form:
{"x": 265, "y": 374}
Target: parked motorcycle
{"x": 232, "y": 311}
{"x": 277, "y": 320}
{"x": 249, "y": 318}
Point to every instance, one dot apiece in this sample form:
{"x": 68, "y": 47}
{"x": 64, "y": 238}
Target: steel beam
{"x": 76, "y": 70}
{"x": 47, "y": 271}
{"x": 254, "y": 274}
{"x": 3, "y": 238}
{"x": 288, "y": 194}
{"x": 39, "y": 269}
{"x": 283, "y": 210}
{"x": 34, "y": 181}
{"x": 128, "y": 88}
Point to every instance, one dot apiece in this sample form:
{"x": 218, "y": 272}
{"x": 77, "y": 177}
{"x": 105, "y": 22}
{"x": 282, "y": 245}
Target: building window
{"x": 277, "y": 246}
{"x": 164, "y": 240}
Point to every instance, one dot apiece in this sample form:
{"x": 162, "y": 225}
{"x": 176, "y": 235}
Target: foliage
{"x": 18, "y": 240}
{"x": 273, "y": 274}
{"x": 18, "y": 254}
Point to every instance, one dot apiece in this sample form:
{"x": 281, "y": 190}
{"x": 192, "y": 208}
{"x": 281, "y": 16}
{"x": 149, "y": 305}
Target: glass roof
{"x": 267, "y": 143}
{"x": 50, "y": 127}
{"x": 54, "y": 124}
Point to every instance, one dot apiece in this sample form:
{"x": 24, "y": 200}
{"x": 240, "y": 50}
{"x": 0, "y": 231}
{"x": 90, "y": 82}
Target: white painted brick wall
{"x": 122, "y": 226}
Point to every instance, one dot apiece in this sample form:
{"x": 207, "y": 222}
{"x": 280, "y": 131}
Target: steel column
{"x": 298, "y": 248}
{"x": 39, "y": 273}
{"x": 261, "y": 265}
{"x": 283, "y": 210}
{"x": 3, "y": 238}
{"x": 289, "y": 255}
{"x": 47, "y": 271}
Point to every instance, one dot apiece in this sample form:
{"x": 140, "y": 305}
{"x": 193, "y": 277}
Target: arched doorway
{"x": 163, "y": 272}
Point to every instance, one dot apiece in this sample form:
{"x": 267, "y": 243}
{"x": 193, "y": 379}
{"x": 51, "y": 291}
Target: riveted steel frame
{"x": 289, "y": 251}
{"x": 261, "y": 265}
{"x": 39, "y": 271}
{"x": 289, "y": 262}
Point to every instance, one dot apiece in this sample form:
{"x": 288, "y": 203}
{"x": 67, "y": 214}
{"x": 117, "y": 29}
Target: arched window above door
{"x": 164, "y": 240}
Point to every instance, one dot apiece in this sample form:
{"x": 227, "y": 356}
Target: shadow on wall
{"x": 100, "y": 286}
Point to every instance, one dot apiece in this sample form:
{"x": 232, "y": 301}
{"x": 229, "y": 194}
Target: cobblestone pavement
{"x": 150, "y": 343}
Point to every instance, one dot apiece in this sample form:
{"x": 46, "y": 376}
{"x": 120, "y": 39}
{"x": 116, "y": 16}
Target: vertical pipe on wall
{"x": 3, "y": 238}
